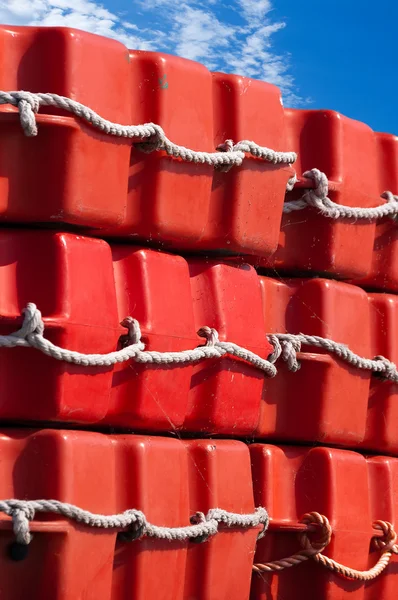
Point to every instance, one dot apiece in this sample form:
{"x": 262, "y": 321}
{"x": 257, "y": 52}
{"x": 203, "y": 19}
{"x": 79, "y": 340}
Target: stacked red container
{"x": 166, "y": 478}
{"x": 80, "y": 176}
{"x": 123, "y": 243}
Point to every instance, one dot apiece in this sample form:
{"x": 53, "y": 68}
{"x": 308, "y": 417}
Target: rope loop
{"x": 21, "y": 516}
{"x": 32, "y": 322}
{"x": 133, "y": 336}
{"x": 155, "y": 142}
{"x": 388, "y": 542}
{"x": 317, "y": 545}
{"x": 285, "y": 346}
{"x": 28, "y": 106}
{"x": 388, "y": 369}
{"x": 210, "y": 334}
{"x": 392, "y": 200}
{"x": 312, "y": 549}
{"x": 317, "y": 197}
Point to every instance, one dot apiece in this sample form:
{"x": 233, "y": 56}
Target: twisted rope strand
{"x": 203, "y": 526}
{"x": 230, "y": 154}
{"x": 31, "y": 335}
{"x": 23, "y": 511}
{"x": 318, "y": 198}
{"x": 227, "y": 156}
{"x": 313, "y": 549}
{"x": 286, "y": 346}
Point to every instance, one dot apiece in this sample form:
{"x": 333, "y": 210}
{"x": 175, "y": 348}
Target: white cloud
{"x": 200, "y": 36}
{"x": 81, "y": 14}
{"x": 255, "y": 9}
{"x": 195, "y": 29}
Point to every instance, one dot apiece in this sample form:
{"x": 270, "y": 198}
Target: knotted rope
{"x": 286, "y": 346}
{"x": 23, "y": 512}
{"x": 134, "y": 525}
{"x": 230, "y": 154}
{"x": 31, "y": 335}
{"x": 318, "y": 198}
{"x": 313, "y": 549}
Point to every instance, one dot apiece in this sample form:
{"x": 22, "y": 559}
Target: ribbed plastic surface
{"x": 351, "y": 491}
{"x": 169, "y": 480}
{"x": 86, "y": 287}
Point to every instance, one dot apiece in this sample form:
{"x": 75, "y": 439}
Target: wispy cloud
{"x": 198, "y": 35}
{"x": 255, "y": 9}
{"x": 237, "y": 37}
{"x": 81, "y": 14}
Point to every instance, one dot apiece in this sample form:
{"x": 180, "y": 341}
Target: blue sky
{"x": 323, "y": 54}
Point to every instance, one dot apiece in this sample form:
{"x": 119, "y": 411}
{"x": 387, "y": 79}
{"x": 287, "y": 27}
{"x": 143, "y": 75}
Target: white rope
{"x": 31, "y": 335}
{"x": 227, "y": 156}
{"x": 318, "y": 198}
{"x": 230, "y": 154}
{"x": 23, "y": 511}
{"x": 286, "y": 346}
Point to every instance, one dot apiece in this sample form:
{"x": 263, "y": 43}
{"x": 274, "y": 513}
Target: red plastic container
{"x": 168, "y": 199}
{"x": 351, "y": 491}
{"x": 172, "y": 299}
{"x": 70, "y": 279}
{"x": 192, "y": 206}
{"x": 169, "y": 480}
{"x": 326, "y": 400}
{"x": 247, "y": 201}
{"x": 71, "y": 467}
{"x": 155, "y": 289}
{"x": 70, "y": 172}
{"x": 156, "y": 199}
{"x": 84, "y": 289}
{"x": 219, "y": 475}
{"x": 384, "y": 271}
{"x": 382, "y": 423}
{"x": 345, "y": 150}
{"x": 226, "y": 393}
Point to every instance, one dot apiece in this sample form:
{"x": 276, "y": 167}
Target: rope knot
{"x": 133, "y": 335}
{"x": 21, "y": 515}
{"x": 285, "y": 346}
{"x": 289, "y": 353}
{"x": 155, "y": 142}
{"x": 227, "y": 146}
{"x": 197, "y": 518}
{"x": 136, "y": 529}
{"x": 317, "y": 197}
{"x": 393, "y": 200}
{"x": 388, "y": 542}
{"x": 32, "y": 323}
{"x": 28, "y": 105}
{"x": 387, "y": 370}
{"x": 275, "y": 343}
{"x": 315, "y": 546}
{"x": 210, "y": 334}
{"x": 320, "y": 180}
